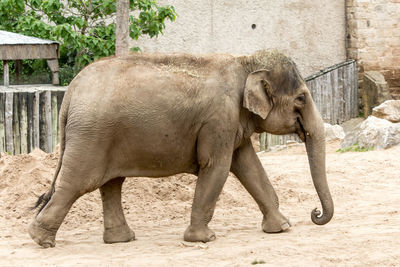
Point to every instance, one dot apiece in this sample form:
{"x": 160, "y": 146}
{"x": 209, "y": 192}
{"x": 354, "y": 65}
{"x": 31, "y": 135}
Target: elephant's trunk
{"x": 314, "y": 133}
{"x": 316, "y": 157}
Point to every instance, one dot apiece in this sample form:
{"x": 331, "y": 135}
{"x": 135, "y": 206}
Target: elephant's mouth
{"x": 300, "y": 130}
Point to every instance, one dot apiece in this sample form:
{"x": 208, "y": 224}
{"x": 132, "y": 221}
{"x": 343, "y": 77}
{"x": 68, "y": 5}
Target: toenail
{"x": 285, "y": 226}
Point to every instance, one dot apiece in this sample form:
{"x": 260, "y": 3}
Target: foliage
{"x": 33, "y": 71}
{"x": 355, "y": 148}
{"x": 85, "y": 28}
{"x": 258, "y": 262}
{"x": 66, "y": 73}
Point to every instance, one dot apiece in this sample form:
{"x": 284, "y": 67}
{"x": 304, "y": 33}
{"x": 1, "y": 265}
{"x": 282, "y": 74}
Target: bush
{"x": 66, "y": 74}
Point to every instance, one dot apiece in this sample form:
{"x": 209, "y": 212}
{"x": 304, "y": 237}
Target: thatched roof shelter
{"x": 15, "y": 46}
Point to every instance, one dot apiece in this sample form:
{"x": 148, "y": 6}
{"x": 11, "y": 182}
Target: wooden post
{"x": 54, "y": 116}
{"x": 346, "y": 79}
{"x": 53, "y": 65}
{"x": 45, "y": 121}
{"x": 60, "y": 97}
{"x": 2, "y": 133}
{"x": 341, "y": 93}
{"x": 23, "y": 121}
{"x": 355, "y": 92}
{"x": 6, "y": 73}
{"x": 30, "y": 99}
{"x": 16, "y": 129}
{"x": 8, "y": 118}
{"x": 35, "y": 120}
{"x": 122, "y": 28}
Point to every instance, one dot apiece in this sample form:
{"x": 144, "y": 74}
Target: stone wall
{"x": 373, "y": 38}
{"x": 312, "y": 32}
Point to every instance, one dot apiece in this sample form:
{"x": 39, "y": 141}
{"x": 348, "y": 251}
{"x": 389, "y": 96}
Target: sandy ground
{"x": 365, "y": 230}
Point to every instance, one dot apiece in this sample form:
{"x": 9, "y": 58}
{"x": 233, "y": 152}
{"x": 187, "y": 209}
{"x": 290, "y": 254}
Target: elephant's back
{"x": 199, "y": 66}
{"x": 151, "y": 83}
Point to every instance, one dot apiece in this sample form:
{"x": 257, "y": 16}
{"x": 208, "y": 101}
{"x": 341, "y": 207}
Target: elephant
{"x": 156, "y": 115}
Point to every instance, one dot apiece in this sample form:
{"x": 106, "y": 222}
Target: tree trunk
{"x": 122, "y": 28}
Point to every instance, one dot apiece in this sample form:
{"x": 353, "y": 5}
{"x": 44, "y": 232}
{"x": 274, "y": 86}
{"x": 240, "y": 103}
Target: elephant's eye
{"x": 301, "y": 99}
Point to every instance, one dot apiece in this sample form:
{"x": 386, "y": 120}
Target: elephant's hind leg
{"x": 44, "y": 227}
{"x": 115, "y": 227}
{"x": 78, "y": 175}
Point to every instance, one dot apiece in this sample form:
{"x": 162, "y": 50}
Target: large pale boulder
{"x": 388, "y": 110}
{"x": 351, "y": 124}
{"x": 333, "y": 132}
{"x": 373, "y": 133}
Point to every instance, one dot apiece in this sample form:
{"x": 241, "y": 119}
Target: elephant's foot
{"x": 118, "y": 234}
{"x": 199, "y": 233}
{"x": 275, "y": 223}
{"x": 44, "y": 237}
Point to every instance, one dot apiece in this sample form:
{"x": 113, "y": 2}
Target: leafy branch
{"x": 85, "y": 28}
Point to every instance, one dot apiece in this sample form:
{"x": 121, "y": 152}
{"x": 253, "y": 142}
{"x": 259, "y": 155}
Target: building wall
{"x": 373, "y": 38}
{"x": 312, "y": 32}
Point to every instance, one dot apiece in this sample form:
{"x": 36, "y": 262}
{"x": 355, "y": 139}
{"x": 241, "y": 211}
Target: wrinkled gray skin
{"x": 159, "y": 115}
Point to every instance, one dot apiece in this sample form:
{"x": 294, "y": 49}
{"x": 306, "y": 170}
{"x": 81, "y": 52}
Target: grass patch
{"x": 354, "y": 148}
{"x": 258, "y": 262}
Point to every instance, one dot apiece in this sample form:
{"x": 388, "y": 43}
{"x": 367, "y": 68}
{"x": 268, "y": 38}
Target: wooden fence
{"x": 29, "y": 117}
{"x": 335, "y": 93}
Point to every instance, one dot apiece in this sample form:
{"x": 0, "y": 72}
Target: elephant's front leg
{"x": 209, "y": 185}
{"x": 250, "y": 172}
{"x": 214, "y": 160}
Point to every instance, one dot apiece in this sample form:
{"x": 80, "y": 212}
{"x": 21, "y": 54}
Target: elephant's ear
{"x": 256, "y": 98}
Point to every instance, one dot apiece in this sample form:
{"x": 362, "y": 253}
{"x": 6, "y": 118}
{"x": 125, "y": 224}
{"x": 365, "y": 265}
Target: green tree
{"x": 85, "y": 28}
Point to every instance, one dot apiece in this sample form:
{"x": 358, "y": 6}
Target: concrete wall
{"x": 374, "y": 38}
{"x": 312, "y": 32}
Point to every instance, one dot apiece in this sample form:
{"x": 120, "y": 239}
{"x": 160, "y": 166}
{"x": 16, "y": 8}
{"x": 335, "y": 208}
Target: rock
{"x": 333, "y": 132}
{"x": 388, "y": 110}
{"x": 291, "y": 142}
{"x": 373, "y": 133}
{"x": 351, "y": 124}
{"x": 375, "y": 91}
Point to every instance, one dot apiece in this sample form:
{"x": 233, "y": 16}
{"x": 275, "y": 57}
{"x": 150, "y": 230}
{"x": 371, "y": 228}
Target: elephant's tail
{"x": 45, "y": 197}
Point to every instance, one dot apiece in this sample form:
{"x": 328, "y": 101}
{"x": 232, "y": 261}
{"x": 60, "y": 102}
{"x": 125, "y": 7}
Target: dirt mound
{"x": 23, "y": 178}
